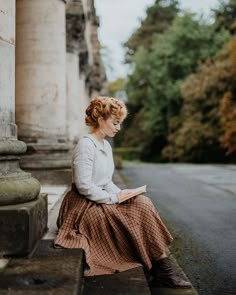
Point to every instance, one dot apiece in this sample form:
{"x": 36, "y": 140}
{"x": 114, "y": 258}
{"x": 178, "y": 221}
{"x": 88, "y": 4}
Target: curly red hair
{"x": 103, "y": 106}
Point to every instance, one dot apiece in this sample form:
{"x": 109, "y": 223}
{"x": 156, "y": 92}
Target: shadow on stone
{"x": 130, "y": 282}
{"x": 31, "y": 280}
{"x": 59, "y": 275}
{"x": 46, "y": 248}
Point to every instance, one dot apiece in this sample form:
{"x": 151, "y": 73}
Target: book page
{"x": 134, "y": 192}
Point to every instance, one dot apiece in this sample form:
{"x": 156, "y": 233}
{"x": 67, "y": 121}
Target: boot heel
{"x": 165, "y": 274}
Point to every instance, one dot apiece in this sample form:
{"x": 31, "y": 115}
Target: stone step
{"x": 45, "y": 248}
{"x": 46, "y": 271}
{"x": 130, "y": 282}
{"x": 48, "y": 275}
{"x": 169, "y": 291}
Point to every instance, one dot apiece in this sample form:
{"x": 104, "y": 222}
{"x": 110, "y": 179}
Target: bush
{"x": 128, "y": 153}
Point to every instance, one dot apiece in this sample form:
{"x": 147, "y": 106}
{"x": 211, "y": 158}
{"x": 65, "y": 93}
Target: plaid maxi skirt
{"x": 114, "y": 237}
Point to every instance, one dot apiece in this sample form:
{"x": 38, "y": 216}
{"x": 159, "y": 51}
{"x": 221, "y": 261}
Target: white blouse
{"x": 92, "y": 170}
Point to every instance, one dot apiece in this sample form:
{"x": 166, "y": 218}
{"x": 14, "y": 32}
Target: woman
{"x": 115, "y": 237}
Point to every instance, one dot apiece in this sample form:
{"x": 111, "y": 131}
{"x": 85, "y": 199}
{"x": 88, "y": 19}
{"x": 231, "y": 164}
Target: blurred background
{"x": 174, "y": 64}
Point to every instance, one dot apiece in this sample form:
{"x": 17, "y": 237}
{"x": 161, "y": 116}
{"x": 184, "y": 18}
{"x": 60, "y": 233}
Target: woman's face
{"x": 110, "y": 126}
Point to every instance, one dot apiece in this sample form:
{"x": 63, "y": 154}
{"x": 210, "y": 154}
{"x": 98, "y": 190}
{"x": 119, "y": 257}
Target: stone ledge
{"x": 48, "y": 276}
{"x": 45, "y": 248}
{"x": 43, "y": 162}
{"x": 130, "y": 282}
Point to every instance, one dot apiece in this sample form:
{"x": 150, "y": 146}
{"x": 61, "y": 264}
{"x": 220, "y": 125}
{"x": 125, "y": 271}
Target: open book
{"x": 133, "y": 192}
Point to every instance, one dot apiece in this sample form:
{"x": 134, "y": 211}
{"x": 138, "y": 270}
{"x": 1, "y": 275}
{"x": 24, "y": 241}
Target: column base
{"x": 40, "y": 162}
{"x": 38, "y": 156}
{"x": 22, "y": 225}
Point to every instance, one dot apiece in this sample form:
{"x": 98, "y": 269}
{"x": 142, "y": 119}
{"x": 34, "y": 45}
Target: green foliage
{"x": 131, "y": 134}
{"x": 194, "y": 136}
{"x": 225, "y": 14}
{"x": 158, "y": 19}
{"x": 128, "y": 153}
{"x": 138, "y": 83}
{"x": 175, "y": 55}
{"x": 154, "y": 85}
{"x": 182, "y": 88}
{"x": 116, "y": 85}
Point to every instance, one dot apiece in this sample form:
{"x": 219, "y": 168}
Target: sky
{"x": 119, "y": 19}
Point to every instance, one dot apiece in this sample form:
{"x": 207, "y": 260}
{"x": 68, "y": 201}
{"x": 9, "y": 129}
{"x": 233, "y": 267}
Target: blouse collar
{"x": 97, "y": 143}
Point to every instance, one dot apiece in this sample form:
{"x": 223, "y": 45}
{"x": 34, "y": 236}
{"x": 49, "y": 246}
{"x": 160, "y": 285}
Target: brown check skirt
{"x": 114, "y": 237}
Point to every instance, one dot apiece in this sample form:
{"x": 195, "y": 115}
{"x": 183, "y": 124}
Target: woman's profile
{"x": 114, "y": 236}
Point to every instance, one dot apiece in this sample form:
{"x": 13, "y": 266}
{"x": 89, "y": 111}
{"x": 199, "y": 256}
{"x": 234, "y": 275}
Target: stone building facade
{"x": 50, "y": 67}
{"x": 58, "y": 69}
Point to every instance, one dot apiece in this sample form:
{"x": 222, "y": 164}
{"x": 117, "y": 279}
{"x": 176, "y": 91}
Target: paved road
{"x": 198, "y": 204}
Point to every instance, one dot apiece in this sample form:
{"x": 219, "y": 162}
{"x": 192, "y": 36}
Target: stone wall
{"x": 97, "y": 76}
{"x": 85, "y": 72}
{"x": 77, "y": 63}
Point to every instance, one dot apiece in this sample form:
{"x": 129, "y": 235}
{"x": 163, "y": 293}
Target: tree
{"x": 138, "y": 82}
{"x": 206, "y": 129}
{"x": 228, "y": 123}
{"x": 116, "y": 85}
{"x": 225, "y": 15}
{"x": 158, "y": 18}
{"x": 227, "y": 108}
{"x": 193, "y": 136}
{"x": 175, "y": 55}
{"x": 155, "y": 82}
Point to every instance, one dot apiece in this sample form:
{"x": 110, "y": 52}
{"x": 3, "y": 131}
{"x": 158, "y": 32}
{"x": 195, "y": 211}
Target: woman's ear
{"x": 100, "y": 120}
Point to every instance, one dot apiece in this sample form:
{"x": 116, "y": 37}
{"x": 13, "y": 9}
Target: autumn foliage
{"x": 182, "y": 90}
{"x": 196, "y": 136}
{"x": 227, "y": 108}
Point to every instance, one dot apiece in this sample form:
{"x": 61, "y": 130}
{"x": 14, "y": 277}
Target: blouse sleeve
{"x": 112, "y": 188}
{"x": 83, "y": 169}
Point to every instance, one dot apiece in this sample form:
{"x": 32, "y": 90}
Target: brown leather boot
{"x": 166, "y": 275}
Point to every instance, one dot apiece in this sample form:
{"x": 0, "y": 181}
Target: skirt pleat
{"x": 114, "y": 237}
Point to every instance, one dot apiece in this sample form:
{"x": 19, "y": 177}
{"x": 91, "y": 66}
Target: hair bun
{"x": 102, "y": 106}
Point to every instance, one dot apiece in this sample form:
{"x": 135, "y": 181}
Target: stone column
{"x": 75, "y": 26}
{"x": 41, "y": 80}
{"x": 23, "y": 212}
